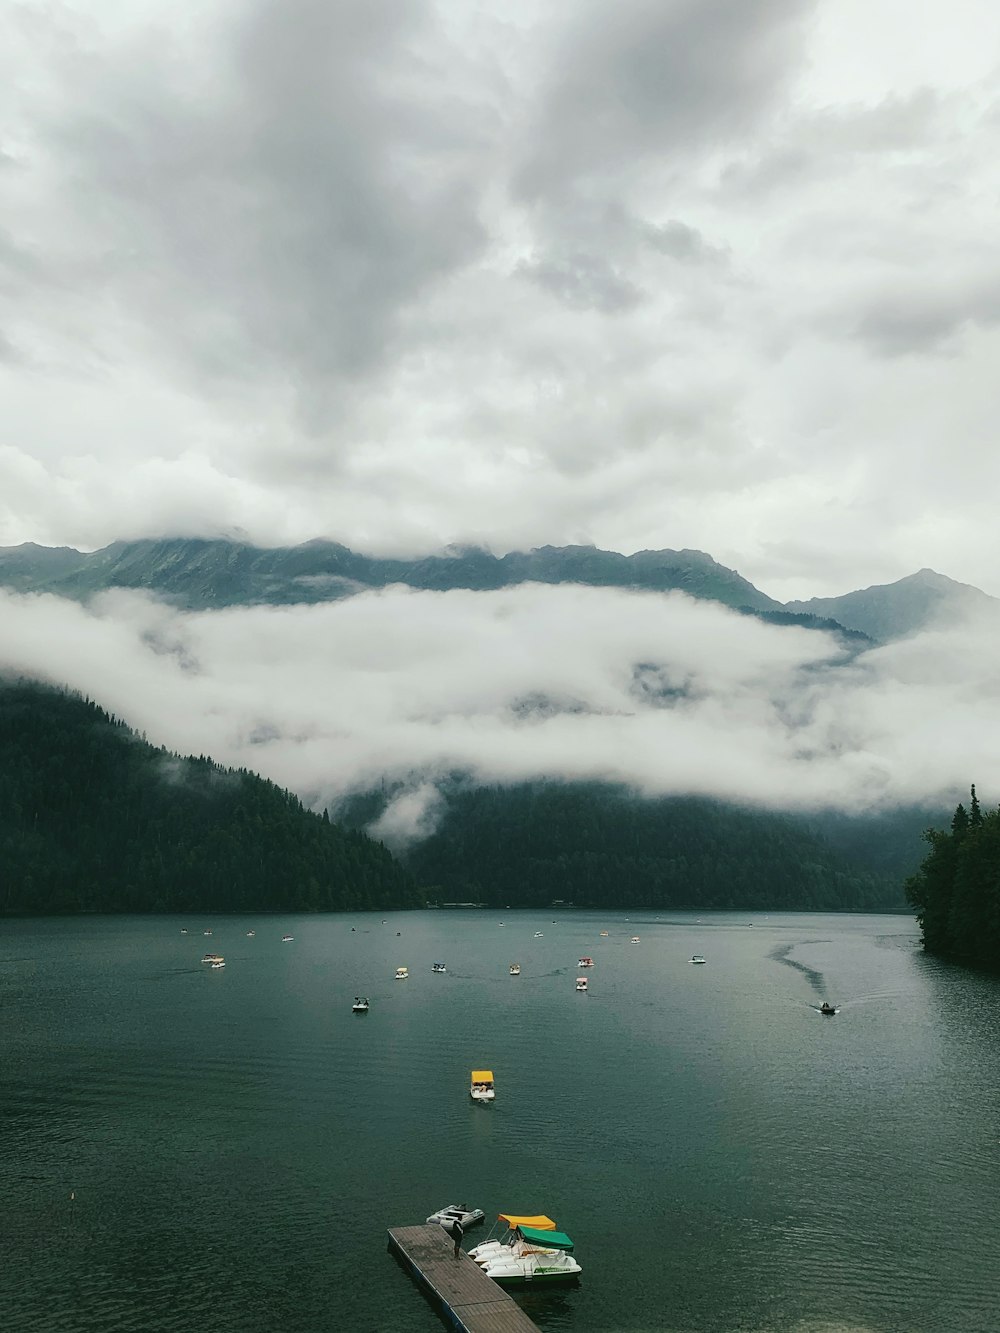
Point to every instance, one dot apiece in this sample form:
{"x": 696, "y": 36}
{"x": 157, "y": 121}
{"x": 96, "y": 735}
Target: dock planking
{"x": 469, "y": 1300}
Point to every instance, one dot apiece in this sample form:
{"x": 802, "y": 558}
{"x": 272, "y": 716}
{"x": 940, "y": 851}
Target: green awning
{"x": 551, "y": 1240}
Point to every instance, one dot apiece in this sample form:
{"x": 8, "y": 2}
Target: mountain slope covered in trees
{"x": 92, "y": 818}
{"x": 956, "y": 891}
{"x": 601, "y": 846}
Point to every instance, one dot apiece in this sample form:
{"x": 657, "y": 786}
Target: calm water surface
{"x": 724, "y": 1157}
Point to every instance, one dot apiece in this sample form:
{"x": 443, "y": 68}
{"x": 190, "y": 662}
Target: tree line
{"x": 95, "y": 819}
{"x": 956, "y": 891}
{"x": 598, "y": 845}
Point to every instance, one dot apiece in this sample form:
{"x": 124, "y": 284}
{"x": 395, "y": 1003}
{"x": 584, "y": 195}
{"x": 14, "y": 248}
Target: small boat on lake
{"x": 482, "y": 1088}
{"x": 360, "y": 1005}
{"x": 538, "y": 935}
{"x": 514, "y": 1239}
{"x": 458, "y": 1212}
{"x": 213, "y": 958}
{"x": 402, "y": 974}
{"x": 287, "y": 939}
{"x": 604, "y": 934}
{"x": 528, "y": 1254}
{"x": 251, "y": 934}
{"x": 581, "y": 983}
{"x": 515, "y": 969}
{"x": 698, "y": 958}
{"x": 828, "y": 1008}
{"x": 585, "y": 962}
{"x": 635, "y": 940}
{"x": 219, "y": 962}
{"x": 439, "y": 967}
{"x": 206, "y": 932}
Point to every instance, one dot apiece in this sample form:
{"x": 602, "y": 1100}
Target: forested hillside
{"x": 956, "y": 892}
{"x": 600, "y": 846}
{"x": 92, "y": 818}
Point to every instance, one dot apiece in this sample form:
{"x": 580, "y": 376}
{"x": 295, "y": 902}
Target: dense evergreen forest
{"x": 600, "y": 846}
{"x": 94, "y": 819}
{"x": 956, "y": 892}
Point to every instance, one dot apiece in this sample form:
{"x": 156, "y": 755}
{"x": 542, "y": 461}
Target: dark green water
{"x": 725, "y": 1158}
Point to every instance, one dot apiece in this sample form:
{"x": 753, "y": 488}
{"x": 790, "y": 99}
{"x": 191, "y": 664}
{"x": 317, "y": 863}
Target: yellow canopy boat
{"x": 481, "y": 1089}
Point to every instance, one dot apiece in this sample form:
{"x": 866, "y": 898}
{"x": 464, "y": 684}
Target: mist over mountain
{"x": 664, "y": 692}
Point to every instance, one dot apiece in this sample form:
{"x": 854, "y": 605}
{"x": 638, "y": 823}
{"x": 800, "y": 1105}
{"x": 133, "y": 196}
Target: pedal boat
{"x": 481, "y": 1088}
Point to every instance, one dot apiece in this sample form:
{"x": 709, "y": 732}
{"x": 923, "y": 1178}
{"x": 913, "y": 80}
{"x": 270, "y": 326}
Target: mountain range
{"x": 199, "y": 574}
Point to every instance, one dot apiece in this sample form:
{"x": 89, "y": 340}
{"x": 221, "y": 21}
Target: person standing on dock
{"x": 457, "y": 1231}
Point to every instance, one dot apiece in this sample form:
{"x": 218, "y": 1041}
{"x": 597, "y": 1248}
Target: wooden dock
{"x": 468, "y": 1300}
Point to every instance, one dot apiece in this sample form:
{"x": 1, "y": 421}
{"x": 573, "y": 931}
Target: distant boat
{"x": 360, "y": 1005}
{"x": 206, "y": 932}
{"x": 183, "y": 930}
{"x": 635, "y": 940}
{"x": 581, "y": 983}
{"x": 251, "y": 934}
{"x": 402, "y": 974}
{"x": 287, "y": 939}
{"x": 829, "y": 1008}
{"x": 698, "y": 958}
{"x": 585, "y": 961}
{"x": 221, "y": 962}
{"x": 538, "y": 935}
{"x": 213, "y": 958}
{"x": 515, "y": 969}
{"x": 604, "y": 934}
{"x": 439, "y": 967}
{"x": 482, "y": 1088}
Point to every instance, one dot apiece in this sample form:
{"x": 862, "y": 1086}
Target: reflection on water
{"x": 183, "y": 1145}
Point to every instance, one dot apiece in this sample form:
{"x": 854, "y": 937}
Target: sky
{"x": 719, "y": 274}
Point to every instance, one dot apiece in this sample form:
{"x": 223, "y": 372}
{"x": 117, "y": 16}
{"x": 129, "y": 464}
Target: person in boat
{"x": 457, "y": 1231}
{"x": 826, "y": 1008}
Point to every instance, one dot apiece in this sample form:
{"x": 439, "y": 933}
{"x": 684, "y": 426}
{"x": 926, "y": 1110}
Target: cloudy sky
{"x": 721, "y": 274}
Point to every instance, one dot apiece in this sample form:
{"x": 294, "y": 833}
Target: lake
{"x": 185, "y": 1147}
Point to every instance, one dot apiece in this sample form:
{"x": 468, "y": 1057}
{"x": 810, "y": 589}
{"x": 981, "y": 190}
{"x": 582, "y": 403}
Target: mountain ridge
{"x": 211, "y": 573}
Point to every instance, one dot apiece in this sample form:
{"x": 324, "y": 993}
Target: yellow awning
{"x": 482, "y": 1076}
{"x": 540, "y": 1223}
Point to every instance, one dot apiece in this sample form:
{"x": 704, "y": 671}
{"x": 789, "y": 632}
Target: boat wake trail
{"x": 815, "y": 979}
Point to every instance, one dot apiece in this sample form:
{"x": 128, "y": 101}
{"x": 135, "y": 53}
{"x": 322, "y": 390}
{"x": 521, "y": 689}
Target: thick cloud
{"x": 411, "y": 272}
{"x": 666, "y": 694}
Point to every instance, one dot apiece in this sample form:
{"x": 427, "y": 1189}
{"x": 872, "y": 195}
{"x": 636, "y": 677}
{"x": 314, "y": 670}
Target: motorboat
{"x": 213, "y": 958}
{"x": 481, "y": 1088}
{"x": 581, "y": 983}
{"x": 585, "y": 962}
{"x": 635, "y": 940}
{"x": 183, "y": 930}
{"x": 439, "y": 967}
{"x": 206, "y": 932}
{"x": 458, "y": 1212}
{"x": 604, "y": 934}
{"x": 402, "y": 973}
{"x": 538, "y": 935}
{"x": 287, "y": 939}
{"x": 829, "y": 1008}
{"x": 219, "y": 962}
{"x": 515, "y": 969}
{"x": 523, "y": 1233}
{"x": 360, "y": 1005}
{"x": 251, "y": 934}
{"x": 698, "y": 958}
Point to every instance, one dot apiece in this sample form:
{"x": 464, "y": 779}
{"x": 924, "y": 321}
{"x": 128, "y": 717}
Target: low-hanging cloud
{"x": 662, "y": 693}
